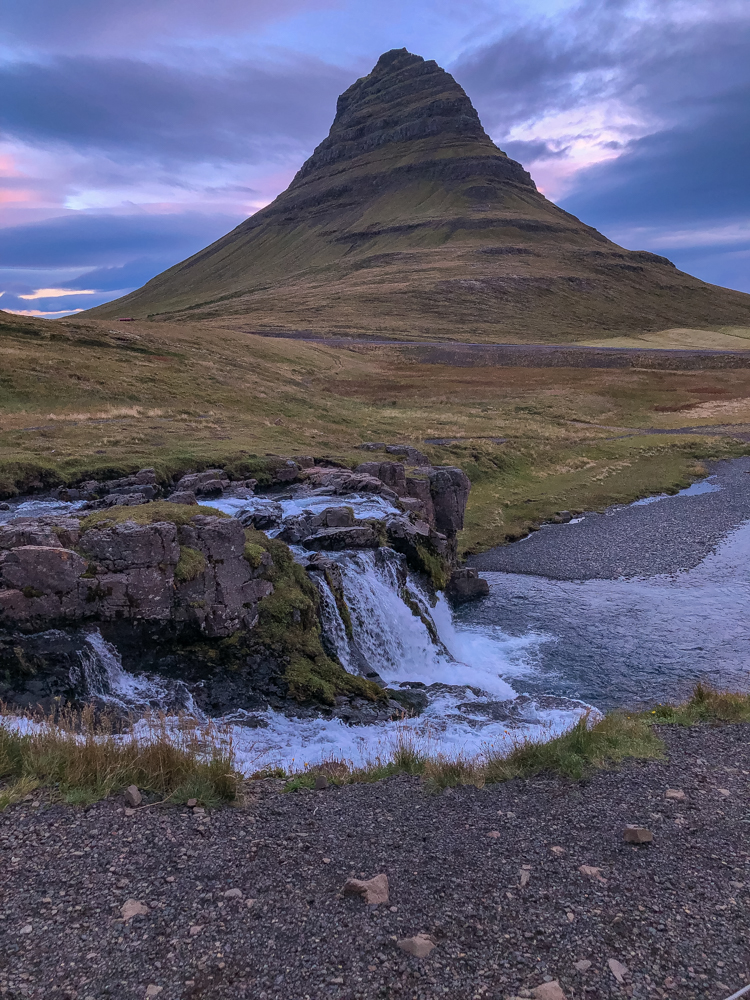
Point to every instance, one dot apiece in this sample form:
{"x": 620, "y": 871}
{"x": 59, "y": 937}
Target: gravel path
{"x": 666, "y": 536}
{"x": 674, "y": 912}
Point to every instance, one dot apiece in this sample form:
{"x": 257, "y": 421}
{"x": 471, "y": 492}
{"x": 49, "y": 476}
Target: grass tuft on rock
{"x": 705, "y": 705}
{"x": 190, "y": 565}
{"x": 81, "y": 756}
{"x": 148, "y": 513}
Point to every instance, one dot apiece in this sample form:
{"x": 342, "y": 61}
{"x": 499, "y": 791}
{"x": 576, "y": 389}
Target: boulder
{"x": 392, "y": 474}
{"x": 342, "y": 481}
{"x": 287, "y": 473}
{"x": 334, "y": 517}
{"x": 413, "y": 455}
{"x": 43, "y": 569}
{"x": 117, "y": 500}
{"x": 465, "y": 584}
{"x": 296, "y": 529}
{"x": 183, "y": 496}
{"x": 417, "y": 507}
{"x": 261, "y": 514}
{"x": 27, "y": 532}
{"x": 449, "y": 490}
{"x": 150, "y": 492}
{"x": 208, "y": 483}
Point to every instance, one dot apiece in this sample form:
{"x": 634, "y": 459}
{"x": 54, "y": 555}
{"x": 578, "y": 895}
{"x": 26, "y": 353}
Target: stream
{"x": 524, "y": 662}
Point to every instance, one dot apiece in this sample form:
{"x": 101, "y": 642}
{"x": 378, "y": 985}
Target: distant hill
{"x": 408, "y": 222}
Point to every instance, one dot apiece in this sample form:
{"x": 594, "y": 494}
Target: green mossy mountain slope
{"x": 408, "y": 222}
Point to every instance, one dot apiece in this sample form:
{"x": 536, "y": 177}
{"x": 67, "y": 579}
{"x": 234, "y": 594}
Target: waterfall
{"x": 101, "y": 676}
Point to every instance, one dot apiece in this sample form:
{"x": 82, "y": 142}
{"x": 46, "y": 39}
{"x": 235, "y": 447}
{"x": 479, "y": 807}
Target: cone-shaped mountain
{"x": 407, "y": 221}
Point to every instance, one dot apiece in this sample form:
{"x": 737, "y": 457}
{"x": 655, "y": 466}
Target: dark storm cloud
{"x": 691, "y": 78}
{"x": 696, "y": 173}
{"x": 109, "y": 240}
{"x": 141, "y": 109}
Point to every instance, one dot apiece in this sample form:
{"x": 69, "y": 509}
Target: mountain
{"x": 408, "y": 222}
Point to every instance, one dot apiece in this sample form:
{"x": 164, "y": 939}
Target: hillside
{"x": 408, "y": 222}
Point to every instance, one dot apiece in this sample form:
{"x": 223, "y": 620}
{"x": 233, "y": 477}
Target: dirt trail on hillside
{"x": 473, "y": 868}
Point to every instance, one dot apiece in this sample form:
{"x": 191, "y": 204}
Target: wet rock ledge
{"x": 209, "y": 600}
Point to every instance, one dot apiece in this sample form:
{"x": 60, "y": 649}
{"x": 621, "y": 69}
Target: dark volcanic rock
{"x": 449, "y": 490}
{"x": 466, "y": 584}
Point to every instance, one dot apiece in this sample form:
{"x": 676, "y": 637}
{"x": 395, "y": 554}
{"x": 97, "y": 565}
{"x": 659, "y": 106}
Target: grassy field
{"x": 85, "y": 397}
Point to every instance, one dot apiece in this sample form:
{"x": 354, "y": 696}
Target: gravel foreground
{"x": 507, "y": 912}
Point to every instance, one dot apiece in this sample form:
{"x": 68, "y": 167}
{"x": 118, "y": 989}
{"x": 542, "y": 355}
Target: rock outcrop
{"x": 193, "y": 573}
{"x": 208, "y": 600}
{"x": 408, "y": 222}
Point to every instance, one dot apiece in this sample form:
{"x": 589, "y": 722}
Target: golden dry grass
{"x": 82, "y": 757}
{"x": 88, "y": 398}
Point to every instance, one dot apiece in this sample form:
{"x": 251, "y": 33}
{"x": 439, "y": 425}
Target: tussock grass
{"x": 82, "y": 758}
{"x": 584, "y": 748}
{"x": 706, "y": 704}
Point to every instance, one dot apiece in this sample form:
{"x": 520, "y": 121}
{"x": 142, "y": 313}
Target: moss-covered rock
{"x": 148, "y": 513}
{"x": 288, "y": 624}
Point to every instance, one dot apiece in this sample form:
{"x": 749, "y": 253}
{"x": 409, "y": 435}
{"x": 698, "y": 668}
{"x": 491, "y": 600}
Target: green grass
{"x": 705, "y": 705}
{"x": 80, "y": 757}
{"x": 190, "y": 565}
{"x": 148, "y": 513}
{"x": 207, "y": 396}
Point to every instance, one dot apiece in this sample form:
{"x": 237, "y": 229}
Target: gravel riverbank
{"x": 246, "y": 902}
{"x": 643, "y": 539}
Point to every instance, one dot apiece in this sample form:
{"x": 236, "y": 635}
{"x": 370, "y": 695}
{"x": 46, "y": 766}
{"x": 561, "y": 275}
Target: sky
{"x": 132, "y": 134}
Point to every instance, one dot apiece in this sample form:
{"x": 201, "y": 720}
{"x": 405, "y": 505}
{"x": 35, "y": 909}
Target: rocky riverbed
{"x": 515, "y": 886}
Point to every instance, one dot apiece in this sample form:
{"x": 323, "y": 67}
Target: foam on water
{"x": 39, "y": 508}
{"x": 103, "y": 677}
{"x": 364, "y": 505}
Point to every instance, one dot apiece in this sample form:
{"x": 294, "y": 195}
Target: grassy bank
{"x": 78, "y": 758}
{"x": 81, "y": 399}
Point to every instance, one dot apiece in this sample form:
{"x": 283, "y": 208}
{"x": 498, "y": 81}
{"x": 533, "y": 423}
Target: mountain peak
{"x": 408, "y": 221}
{"x": 405, "y": 98}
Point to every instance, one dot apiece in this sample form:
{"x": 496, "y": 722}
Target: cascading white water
{"x": 101, "y": 676}
{"x": 398, "y": 631}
